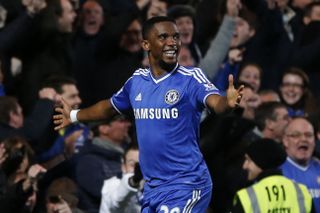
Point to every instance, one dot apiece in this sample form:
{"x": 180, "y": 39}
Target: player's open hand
{"x": 234, "y": 95}
{"x": 62, "y": 119}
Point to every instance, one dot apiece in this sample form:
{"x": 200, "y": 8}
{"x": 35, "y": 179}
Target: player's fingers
{"x": 58, "y": 121}
{"x": 58, "y": 127}
{"x": 230, "y": 79}
{"x": 56, "y": 117}
{"x": 59, "y": 109}
{"x": 240, "y": 89}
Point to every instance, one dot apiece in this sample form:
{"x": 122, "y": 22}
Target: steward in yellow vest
{"x": 271, "y": 192}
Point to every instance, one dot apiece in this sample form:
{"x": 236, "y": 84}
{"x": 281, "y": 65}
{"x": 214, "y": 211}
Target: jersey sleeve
{"x": 200, "y": 88}
{"x": 121, "y": 99}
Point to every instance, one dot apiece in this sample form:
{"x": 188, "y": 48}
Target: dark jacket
{"x": 35, "y": 126}
{"x": 94, "y": 164}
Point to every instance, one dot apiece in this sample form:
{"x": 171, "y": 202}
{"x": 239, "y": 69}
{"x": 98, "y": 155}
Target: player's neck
{"x": 158, "y": 70}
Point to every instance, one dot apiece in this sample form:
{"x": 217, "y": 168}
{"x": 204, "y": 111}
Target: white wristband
{"x": 73, "y": 115}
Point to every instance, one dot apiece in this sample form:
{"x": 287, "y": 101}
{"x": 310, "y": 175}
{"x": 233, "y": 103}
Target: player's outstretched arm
{"x": 220, "y": 104}
{"x": 98, "y": 111}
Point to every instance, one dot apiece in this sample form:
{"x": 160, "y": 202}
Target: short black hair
{"x": 58, "y": 81}
{"x": 148, "y": 25}
{"x": 7, "y": 104}
{"x": 266, "y": 111}
{"x": 178, "y": 11}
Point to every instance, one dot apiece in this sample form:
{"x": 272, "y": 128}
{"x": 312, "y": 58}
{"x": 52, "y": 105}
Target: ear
{"x": 269, "y": 124}
{"x": 306, "y": 20}
{"x": 252, "y": 32}
{"x": 104, "y": 129}
{"x": 285, "y": 141}
{"x": 145, "y": 45}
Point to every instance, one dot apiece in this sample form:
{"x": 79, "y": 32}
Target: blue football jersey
{"x": 167, "y": 114}
{"x": 309, "y": 176}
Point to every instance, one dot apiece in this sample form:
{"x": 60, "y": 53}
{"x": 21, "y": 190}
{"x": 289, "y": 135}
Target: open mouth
{"x": 170, "y": 53}
{"x": 303, "y": 147}
{"x": 91, "y": 22}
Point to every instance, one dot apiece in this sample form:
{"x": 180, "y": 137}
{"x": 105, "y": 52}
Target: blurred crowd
{"x": 85, "y": 50}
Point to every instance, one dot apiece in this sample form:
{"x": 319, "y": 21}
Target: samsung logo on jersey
{"x": 156, "y": 113}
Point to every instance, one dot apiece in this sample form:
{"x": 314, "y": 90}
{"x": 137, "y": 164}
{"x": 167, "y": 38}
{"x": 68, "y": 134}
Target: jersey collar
{"x": 163, "y": 77}
{"x": 303, "y": 168}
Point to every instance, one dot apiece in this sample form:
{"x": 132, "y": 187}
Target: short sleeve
{"x": 121, "y": 99}
{"x": 200, "y": 88}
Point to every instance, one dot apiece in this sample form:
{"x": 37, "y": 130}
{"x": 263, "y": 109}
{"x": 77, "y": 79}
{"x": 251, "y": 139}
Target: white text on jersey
{"x": 156, "y": 113}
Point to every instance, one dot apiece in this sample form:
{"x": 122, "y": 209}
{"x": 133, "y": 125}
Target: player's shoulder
{"x": 141, "y": 72}
{"x": 193, "y": 73}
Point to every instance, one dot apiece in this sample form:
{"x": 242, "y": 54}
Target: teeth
{"x": 170, "y": 52}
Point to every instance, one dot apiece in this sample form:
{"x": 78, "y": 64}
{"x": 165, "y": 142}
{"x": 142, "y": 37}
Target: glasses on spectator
{"x": 297, "y": 135}
{"x": 294, "y": 85}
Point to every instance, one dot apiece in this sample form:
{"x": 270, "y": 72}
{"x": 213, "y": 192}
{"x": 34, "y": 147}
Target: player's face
{"x": 163, "y": 43}
{"x": 252, "y": 169}
{"x": 299, "y": 140}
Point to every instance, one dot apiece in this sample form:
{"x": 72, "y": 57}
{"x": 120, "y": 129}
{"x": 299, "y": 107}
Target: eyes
{"x": 165, "y": 36}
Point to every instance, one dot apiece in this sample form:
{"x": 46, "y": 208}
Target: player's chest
{"x": 158, "y": 95}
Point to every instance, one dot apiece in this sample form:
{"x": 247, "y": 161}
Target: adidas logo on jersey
{"x": 138, "y": 97}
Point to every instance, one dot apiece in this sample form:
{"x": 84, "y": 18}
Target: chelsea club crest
{"x": 172, "y": 97}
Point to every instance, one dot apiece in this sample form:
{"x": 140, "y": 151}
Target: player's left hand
{"x": 234, "y": 95}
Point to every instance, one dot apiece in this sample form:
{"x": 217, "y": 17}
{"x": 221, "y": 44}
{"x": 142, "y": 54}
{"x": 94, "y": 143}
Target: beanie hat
{"x": 178, "y": 11}
{"x": 266, "y": 153}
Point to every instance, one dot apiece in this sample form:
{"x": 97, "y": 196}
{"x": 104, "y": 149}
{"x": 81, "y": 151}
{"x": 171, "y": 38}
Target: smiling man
{"x": 167, "y": 101}
{"x": 299, "y": 142}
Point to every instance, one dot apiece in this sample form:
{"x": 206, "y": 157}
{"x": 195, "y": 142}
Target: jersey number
{"x": 165, "y": 209}
{"x": 276, "y": 192}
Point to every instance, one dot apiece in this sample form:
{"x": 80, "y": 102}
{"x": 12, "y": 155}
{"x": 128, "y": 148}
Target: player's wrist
{"x": 73, "y": 115}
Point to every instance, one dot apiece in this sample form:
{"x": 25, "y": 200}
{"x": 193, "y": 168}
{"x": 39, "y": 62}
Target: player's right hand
{"x": 62, "y": 119}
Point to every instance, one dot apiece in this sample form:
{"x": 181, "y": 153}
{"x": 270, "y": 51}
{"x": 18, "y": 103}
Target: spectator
{"x": 300, "y": 166}
{"x": 295, "y": 93}
{"x": 271, "y": 191}
{"x": 251, "y": 74}
{"x": 271, "y": 120}
{"x": 19, "y": 193}
{"x": 100, "y": 160}
{"x": 18, "y": 21}
{"x": 61, "y": 196}
{"x": 269, "y": 96}
{"x": 68, "y": 141}
{"x": 103, "y": 49}
{"x": 121, "y": 194}
{"x": 219, "y": 46}
{"x": 33, "y": 127}
{"x": 49, "y": 53}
